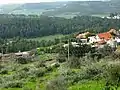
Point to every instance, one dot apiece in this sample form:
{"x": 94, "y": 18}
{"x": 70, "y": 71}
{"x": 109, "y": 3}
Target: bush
{"x": 4, "y": 71}
{"x": 74, "y": 62}
{"x": 37, "y": 72}
{"x": 20, "y": 75}
{"x": 61, "y": 58}
{"x": 113, "y": 75}
{"x": 23, "y": 60}
{"x": 40, "y": 64}
{"x": 115, "y": 56}
{"x": 56, "y": 65}
{"x": 13, "y": 84}
{"x": 57, "y": 84}
{"x": 93, "y": 72}
{"x": 49, "y": 69}
{"x": 1, "y": 67}
{"x": 106, "y": 51}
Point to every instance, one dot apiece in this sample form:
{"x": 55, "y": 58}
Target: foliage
{"x": 57, "y": 84}
{"x": 23, "y": 60}
{"x": 113, "y": 76}
{"x": 105, "y": 51}
{"x": 44, "y": 26}
{"x": 79, "y": 51}
{"x": 13, "y": 84}
{"x": 61, "y": 58}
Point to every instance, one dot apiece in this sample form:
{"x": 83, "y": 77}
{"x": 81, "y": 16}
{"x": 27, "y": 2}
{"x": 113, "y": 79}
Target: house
{"x": 104, "y": 36}
{"x": 117, "y": 40}
{"x": 92, "y": 39}
{"x": 113, "y": 32}
{"x": 83, "y": 35}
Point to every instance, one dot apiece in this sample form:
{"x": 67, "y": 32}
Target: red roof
{"x": 105, "y": 35}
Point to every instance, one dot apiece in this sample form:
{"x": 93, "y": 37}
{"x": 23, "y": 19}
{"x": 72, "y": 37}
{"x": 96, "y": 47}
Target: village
{"x": 110, "y": 38}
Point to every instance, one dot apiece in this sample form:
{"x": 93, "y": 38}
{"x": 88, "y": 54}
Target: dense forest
{"x": 13, "y": 26}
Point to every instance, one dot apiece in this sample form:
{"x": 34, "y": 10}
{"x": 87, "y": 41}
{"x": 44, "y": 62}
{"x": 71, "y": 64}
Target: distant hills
{"x": 63, "y": 8}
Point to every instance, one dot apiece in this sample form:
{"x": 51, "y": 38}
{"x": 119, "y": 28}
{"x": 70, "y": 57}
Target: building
{"x": 104, "y": 36}
{"x": 92, "y": 39}
{"x": 83, "y": 35}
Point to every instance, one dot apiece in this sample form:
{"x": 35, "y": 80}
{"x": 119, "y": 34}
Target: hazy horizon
{"x": 36, "y": 1}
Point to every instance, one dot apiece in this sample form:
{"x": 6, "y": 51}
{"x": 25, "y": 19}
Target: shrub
{"x": 57, "y": 84}
{"x": 94, "y": 71}
{"x": 106, "y": 51}
{"x": 37, "y": 72}
{"x": 20, "y": 75}
{"x": 115, "y": 55}
{"x": 13, "y": 84}
{"x": 26, "y": 69}
{"x": 49, "y": 69}
{"x": 4, "y": 71}
{"x": 113, "y": 75}
{"x": 74, "y": 62}
{"x": 1, "y": 67}
{"x": 40, "y": 73}
{"x": 61, "y": 58}
{"x": 32, "y": 78}
{"x": 23, "y": 60}
{"x": 40, "y": 64}
{"x": 56, "y": 65}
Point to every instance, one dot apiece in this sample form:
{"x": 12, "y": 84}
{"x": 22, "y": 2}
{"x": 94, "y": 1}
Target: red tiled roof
{"x": 105, "y": 35}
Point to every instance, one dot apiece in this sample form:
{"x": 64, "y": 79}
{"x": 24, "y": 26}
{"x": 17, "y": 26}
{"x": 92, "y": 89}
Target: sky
{"x": 32, "y": 1}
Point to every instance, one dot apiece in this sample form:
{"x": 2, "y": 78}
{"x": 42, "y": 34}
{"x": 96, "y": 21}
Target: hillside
{"x": 87, "y": 8}
{"x": 30, "y": 8}
{"x": 64, "y": 8}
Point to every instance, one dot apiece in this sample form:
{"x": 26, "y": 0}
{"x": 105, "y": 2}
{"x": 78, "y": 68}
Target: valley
{"x": 71, "y": 45}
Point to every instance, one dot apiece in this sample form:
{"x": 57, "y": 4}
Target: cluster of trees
{"x": 43, "y": 25}
{"x": 21, "y": 44}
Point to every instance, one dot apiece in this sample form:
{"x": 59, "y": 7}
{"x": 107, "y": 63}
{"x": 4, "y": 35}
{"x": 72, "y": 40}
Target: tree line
{"x": 42, "y": 26}
{"x": 21, "y": 44}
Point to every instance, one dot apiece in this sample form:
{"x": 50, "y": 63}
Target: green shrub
{"x": 32, "y": 78}
{"x": 113, "y": 75}
{"x": 4, "y": 71}
{"x": 20, "y": 75}
{"x": 56, "y": 65}
{"x": 74, "y": 62}
{"x": 61, "y": 58}
{"x": 49, "y": 69}
{"x": 23, "y": 60}
{"x": 40, "y": 64}
{"x": 1, "y": 67}
{"x": 40, "y": 73}
{"x": 57, "y": 84}
{"x": 13, "y": 84}
{"x": 106, "y": 51}
{"x": 37, "y": 72}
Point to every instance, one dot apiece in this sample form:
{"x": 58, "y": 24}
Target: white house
{"x": 92, "y": 39}
{"x": 117, "y": 40}
{"x": 73, "y": 43}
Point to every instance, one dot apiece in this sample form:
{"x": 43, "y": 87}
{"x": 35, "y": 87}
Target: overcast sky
{"x": 33, "y": 1}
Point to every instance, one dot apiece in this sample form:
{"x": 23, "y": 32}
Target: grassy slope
{"x": 90, "y": 85}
